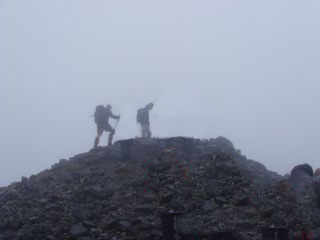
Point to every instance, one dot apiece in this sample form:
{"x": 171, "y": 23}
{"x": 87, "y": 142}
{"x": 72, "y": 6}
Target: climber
{"x": 101, "y": 118}
{"x": 143, "y": 120}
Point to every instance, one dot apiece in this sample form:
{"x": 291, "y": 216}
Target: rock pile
{"x": 123, "y": 192}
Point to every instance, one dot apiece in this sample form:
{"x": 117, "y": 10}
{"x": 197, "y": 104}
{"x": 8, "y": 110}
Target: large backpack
{"x": 140, "y": 115}
{"x": 99, "y": 115}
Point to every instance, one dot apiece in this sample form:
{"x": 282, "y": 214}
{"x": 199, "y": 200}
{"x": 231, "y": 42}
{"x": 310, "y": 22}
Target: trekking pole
{"x": 115, "y": 126}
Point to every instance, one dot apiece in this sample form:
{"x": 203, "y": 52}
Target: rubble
{"x": 206, "y": 187}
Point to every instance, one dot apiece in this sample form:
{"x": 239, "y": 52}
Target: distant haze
{"x": 247, "y": 70}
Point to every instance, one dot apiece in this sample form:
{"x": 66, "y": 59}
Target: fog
{"x": 247, "y": 70}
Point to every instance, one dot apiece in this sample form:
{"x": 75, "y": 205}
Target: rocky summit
{"x": 174, "y": 188}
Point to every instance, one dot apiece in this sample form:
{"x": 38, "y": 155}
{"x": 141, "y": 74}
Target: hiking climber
{"x": 101, "y": 118}
{"x": 143, "y": 119}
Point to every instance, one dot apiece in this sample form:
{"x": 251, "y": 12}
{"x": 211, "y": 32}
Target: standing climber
{"x": 143, "y": 120}
{"x": 101, "y": 118}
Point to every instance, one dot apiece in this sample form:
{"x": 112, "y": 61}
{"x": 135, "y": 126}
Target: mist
{"x": 246, "y": 70}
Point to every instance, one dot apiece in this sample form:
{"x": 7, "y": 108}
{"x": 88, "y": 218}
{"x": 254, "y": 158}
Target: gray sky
{"x": 245, "y": 69}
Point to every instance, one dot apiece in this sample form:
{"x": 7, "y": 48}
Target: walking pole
{"x": 115, "y": 126}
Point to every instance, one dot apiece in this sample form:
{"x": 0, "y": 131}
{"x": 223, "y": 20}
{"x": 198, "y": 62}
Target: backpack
{"x": 99, "y": 114}
{"x": 140, "y": 115}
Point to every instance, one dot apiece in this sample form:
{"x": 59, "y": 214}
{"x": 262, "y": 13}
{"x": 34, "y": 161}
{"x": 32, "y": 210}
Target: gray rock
{"x": 89, "y": 224}
{"x": 78, "y": 230}
{"x": 63, "y": 161}
{"x": 124, "y": 225}
{"x": 302, "y": 184}
{"x": 304, "y": 168}
{"x": 24, "y": 180}
{"x": 209, "y": 205}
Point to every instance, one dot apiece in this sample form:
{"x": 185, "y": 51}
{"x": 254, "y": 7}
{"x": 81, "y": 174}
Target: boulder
{"x": 78, "y": 230}
{"x": 301, "y": 181}
{"x": 303, "y": 167}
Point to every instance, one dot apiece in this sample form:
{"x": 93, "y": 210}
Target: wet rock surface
{"x": 121, "y": 192}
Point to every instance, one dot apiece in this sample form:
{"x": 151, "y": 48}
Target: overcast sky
{"x": 245, "y": 69}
